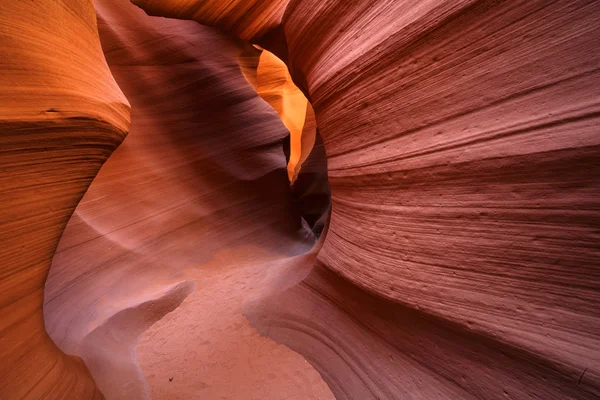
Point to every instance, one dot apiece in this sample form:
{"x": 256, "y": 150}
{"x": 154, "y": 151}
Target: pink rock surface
{"x": 202, "y": 173}
{"x": 461, "y": 258}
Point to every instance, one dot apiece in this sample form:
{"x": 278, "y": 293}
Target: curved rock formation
{"x": 250, "y": 20}
{"x": 310, "y": 189}
{"x": 463, "y": 161}
{"x": 307, "y": 162}
{"x": 59, "y": 122}
{"x": 274, "y": 84}
{"x": 201, "y": 176}
{"x": 461, "y": 259}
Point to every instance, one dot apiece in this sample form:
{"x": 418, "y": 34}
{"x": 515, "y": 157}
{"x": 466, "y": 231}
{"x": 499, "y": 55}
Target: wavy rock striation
{"x": 461, "y": 258}
{"x": 463, "y": 162}
{"x": 59, "y": 122}
{"x": 201, "y": 174}
{"x": 251, "y": 20}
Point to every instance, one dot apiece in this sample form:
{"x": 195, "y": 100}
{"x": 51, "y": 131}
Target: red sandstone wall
{"x": 61, "y": 116}
{"x": 461, "y": 259}
{"x": 462, "y": 147}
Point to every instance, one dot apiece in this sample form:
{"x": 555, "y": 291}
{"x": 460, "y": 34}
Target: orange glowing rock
{"x": 275, "y": 86}
{"x": 460, "y": 259}
{"x": 61, "y": 116}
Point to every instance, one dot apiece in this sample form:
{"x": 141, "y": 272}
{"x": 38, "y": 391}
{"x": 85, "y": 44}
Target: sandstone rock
{"x": 61, "y": 115}
{"x": 461, "y": 256}
{"x": 463, "y": 162}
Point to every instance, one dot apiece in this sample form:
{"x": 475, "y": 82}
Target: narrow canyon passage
{"x": 192, "y": 215}
{"x": 300, "y": 199}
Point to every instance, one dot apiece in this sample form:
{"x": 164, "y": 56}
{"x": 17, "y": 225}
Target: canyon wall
{"x": 461, "y": 259}
{"x": 200, "y": 181}
{"x": 59, "y": 122}
{"x": 462, "y": 147}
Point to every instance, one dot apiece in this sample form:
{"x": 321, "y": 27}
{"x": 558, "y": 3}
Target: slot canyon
{"x": 299, "y": 199}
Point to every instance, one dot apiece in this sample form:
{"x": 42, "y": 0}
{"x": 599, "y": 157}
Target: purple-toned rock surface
{"x": 461, "y": 257}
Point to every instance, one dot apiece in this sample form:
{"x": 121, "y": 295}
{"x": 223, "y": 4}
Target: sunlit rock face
{"x": 274, "y": 84}
{"x": 460, "y": 259}
{"x": 61, "y": 116}
{"x": 307, "y": 161}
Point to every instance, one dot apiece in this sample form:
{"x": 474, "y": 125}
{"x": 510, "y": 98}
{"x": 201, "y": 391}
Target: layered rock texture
{"x": 61, "y": 116}
{"x": 201, "y": 177}
{"x": 460, "y": 257}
